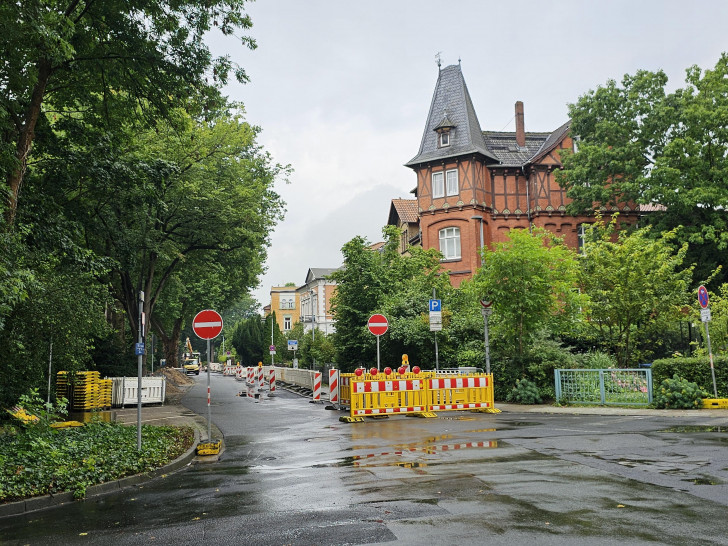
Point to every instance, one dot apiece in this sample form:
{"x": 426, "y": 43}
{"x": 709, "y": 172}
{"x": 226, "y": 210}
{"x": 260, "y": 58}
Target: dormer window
{"x": 444, "y": 130}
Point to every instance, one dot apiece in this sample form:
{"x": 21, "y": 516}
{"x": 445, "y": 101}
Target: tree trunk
{"x": 25, "y": 139}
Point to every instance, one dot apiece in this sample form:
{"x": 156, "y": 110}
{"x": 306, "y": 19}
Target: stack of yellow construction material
{"x": 63, "y": 385}
{"x": 86, "y": 391}
{"x": 105, "y": 386}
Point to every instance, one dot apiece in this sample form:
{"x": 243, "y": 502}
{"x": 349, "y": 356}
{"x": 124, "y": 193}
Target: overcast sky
{"x": 342, "y": 89}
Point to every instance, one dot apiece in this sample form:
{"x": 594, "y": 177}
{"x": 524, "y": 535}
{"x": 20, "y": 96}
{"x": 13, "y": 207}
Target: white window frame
{"x": 450, "y": 243}
{"x": 581, "y": 238}
{"x": 438, "y": 184}
{"x": 444, "y": 139}
{"x": 286, "y": 323}
{"x": 451, "y": 182}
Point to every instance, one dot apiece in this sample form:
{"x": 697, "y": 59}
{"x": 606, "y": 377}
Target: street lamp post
{"x": 487, "y": 310}
{"x": 313, "y": 331}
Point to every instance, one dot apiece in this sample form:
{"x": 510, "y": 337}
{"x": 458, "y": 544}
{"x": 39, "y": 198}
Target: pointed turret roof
{"x": 451, "y": 104}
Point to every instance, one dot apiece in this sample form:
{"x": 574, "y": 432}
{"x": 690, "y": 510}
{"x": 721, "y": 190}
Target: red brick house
{"x": 474, "y": 186}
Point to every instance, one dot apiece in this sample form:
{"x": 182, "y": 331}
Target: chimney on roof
{"x": 520, "y": 129}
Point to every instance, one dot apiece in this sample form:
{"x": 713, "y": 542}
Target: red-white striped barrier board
{"x": 261, "y": 379}
{"x": 472, "y": 405}
{"x": 272, "y": 380}
{"x": 390, "y": 411}
{"x": 459, "y": 383}
{"x": 334, "y": 386}
{"x": 317, "y": 386}
{"x": 388, "y": 386}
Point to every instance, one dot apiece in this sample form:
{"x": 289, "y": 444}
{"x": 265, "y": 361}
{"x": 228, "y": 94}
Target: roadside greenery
{"x": 36, "y": 459}
{"x": 679, "y": 393}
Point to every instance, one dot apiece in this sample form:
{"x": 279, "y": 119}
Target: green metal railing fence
{"x": 621, "y": 387}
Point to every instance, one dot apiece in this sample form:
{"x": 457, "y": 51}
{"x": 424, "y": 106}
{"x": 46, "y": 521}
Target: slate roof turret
{"x": 451, "y": 102}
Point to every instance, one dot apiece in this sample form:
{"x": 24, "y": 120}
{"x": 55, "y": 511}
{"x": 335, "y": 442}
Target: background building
{"x": 474, "y": 186}
{"x": 315, "y": 296}
{"x": 285, "y": 303}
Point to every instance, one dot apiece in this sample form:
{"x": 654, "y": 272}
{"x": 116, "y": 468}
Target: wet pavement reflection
{"x": 291, "y": 473}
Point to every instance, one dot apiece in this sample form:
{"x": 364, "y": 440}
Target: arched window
{"x": 450, "y": 243}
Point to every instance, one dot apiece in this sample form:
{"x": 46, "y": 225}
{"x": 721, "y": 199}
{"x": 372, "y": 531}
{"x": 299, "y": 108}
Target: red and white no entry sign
{"x": 207, "y": 324}
{"x": 378, "y": 324}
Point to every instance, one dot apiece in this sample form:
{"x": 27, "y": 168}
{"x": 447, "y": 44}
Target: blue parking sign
{"x": 435, "y": 305}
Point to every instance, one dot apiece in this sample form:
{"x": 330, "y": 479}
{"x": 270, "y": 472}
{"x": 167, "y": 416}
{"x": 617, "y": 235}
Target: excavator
{"x": 191, "y": 363}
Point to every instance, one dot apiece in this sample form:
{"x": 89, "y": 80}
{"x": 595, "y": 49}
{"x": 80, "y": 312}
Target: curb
{"x": 47, "y": 501}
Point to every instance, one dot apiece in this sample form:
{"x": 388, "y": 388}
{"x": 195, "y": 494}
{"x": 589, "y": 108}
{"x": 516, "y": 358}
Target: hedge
{"x": 695, "y": 370}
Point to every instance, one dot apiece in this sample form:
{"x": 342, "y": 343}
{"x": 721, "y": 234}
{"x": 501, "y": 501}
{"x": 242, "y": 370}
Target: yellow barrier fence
{"x": 420, "y": 394}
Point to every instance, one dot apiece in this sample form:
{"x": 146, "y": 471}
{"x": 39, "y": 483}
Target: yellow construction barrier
{"x": 416, "y": 393}
{"x": 715, "y": 403}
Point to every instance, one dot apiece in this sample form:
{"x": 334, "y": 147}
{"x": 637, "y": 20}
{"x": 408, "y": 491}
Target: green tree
{"x": 104, "y": 60}
{"x": 248, "y": 339}
{"x": 637, "y": 286}
{"x": 385, "y": 282}
{"x": 189, "y": 222}
{"x": 532, "y": 281}
{"x": 637, "y": 143}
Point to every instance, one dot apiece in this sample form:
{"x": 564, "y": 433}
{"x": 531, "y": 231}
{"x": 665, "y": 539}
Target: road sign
{"x": 435, "y": 320}
{"x": 486, "y": 303}
{"x": 435, "y": 305}
{"x": 207, "y": 324}
{"x": 139, "y": 349}
{"x": 705, "y": 315}
{"x": 292, "y": 344}
{"x": 378, "y": 325}
{"x": 702, "y": 297}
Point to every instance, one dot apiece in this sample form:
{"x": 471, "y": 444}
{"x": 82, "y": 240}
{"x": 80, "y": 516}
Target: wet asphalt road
{"x": 292, "y": 473}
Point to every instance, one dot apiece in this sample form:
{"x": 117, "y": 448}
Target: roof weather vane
{"x": 437, "y": 56}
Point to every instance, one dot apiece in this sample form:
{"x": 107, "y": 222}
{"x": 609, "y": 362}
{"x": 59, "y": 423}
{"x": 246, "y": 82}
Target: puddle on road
{"x": 696, "y": 428}
{"x": 373, "y": 459}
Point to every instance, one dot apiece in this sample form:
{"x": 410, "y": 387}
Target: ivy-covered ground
{"x": 36, "y": 459}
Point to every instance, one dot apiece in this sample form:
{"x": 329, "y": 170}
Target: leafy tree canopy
{"x": 638, "y": 143}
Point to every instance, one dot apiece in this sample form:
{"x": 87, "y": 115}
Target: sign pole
{"x": 437, "y": 355}
{"x": 207, "y": 325}
{"x": 378, "y": 366}
{"x": 704, "y": 300}
{"x": 710, "y": 353}
{"x": 140, "y": 356}
{"x": 209, "y": 419}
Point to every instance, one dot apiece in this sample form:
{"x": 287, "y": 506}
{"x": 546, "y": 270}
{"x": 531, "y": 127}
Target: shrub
{"x": 679, "y": 393}
{"x": 695, "y": 369}
{"x": 525, "y": 392}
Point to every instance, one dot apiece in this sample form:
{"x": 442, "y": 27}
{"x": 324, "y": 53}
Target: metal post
{"x": 710, "y": 353}
{"x": 272, "y": 356}
{"x": 50, "y": 362}
{"x": 437, "y": 355}
{"x": 378, "y": 366}
{"x": 140, "y": 359}
{"x": 486, "y": 313}
{"x": 209, "y": 359}
{"x": 313, "y": 332}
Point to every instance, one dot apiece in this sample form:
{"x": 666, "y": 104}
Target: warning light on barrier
{"x": 387, "y": 371}
{"x": 359, "y": 372}
{"x": 402, "y": 370}
{"x": 416, "y": 369}
{"x": 374, "y": 371}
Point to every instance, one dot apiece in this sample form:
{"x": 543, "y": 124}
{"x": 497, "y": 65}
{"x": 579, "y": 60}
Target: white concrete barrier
{"x": 124, "y": 390}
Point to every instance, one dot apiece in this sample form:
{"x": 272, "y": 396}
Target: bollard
{"x": 334, "y": 387}
{"x": 317, "y": 386}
